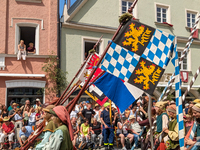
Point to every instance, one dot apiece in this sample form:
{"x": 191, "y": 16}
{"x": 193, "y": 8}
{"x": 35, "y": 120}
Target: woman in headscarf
{"x": 172, "y": 140}
{"x": 63, "y": 136}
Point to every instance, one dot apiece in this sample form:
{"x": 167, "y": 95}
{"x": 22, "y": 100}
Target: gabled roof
{"x": 75, "y": 8}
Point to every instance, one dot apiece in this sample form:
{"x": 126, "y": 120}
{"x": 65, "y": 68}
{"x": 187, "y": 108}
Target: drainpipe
{"x": 58, "y": 36}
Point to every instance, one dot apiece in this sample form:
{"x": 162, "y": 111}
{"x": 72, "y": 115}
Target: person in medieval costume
{"x": 161, "y": 121}
{"x": 194, "y": 145}
{"x": 63, "y": 136}
{"x": 48, "y": 129}
{"x": 172, "y": 140}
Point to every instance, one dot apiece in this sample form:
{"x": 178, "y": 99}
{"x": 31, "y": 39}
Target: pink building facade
{"x": 34, "y": 21}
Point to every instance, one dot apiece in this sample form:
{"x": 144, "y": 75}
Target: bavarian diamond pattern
{"x": 120, "y": 62}
{"x": 159, "y": 48}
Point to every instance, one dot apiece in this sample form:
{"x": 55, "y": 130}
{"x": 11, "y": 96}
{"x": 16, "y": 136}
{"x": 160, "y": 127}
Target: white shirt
{"x": 97, "y": 115}
{"x": 74, "y": 114}
{"x": 136, "y": 127}
{"x": 32, "y": 117}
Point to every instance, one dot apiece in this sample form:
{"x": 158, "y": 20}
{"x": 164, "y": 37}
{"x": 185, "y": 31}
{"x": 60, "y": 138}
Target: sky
{"x": 62, "y": 2}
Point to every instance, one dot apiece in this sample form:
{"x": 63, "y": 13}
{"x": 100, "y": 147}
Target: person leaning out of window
{"x": 31, "y": 48}
{"x": 21, "y": 51}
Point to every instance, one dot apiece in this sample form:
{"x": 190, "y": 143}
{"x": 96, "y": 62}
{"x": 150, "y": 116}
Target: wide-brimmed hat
{"x": 131, "y": 117}
{"x": 6, "y": 119}
{"x": 14, "y": 104}
{"x": 196, "y": 101}
{"x": 196, "y": 107}
{"x": 96, "y": 105}
{"x": 47, "y": 109}
{"x": 160, "y": 104}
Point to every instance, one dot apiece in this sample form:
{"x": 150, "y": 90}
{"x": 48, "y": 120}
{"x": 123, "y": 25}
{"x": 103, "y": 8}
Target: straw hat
{"x": 196, "y": 101}
{"x": 48, "y": 108}
{"x": 160, "y": 104}
{"x": 96, "y": 105}
{"x": 131, "y": 117}
{"x": 14, "y": 104}
{"x": 6, "y": 119}
{"x": 37, "y": 100}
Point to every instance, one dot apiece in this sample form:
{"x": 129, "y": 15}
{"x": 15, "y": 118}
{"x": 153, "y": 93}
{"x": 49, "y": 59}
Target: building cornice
{"x": 28, "y": 56}
{"x": 89, "y": 27}
{"x": 185, "y": 40}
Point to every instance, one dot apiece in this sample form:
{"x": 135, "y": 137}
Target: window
{"x": 190, "y": 19}
{"x": 29, "y": 32}
{"x": 161, "y": 14}
{"x": 88, "y": 46}
{"x": 125, "y": 6}
{"x": 28, "y": 38}
{"x": 20, "y": 95}
{"x": 183, "y": 66}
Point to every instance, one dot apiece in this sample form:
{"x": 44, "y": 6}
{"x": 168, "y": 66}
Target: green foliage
{"x": 169, "y": 96}
{"x": 56, "y": 77}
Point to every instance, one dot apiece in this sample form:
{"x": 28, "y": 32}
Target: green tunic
{"x": 66, "y": 143}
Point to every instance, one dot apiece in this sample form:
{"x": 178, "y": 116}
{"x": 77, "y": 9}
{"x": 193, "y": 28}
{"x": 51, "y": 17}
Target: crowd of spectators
{"x": 89, "y": 121}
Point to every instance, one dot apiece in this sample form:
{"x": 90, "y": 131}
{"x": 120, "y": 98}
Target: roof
{"x": 74, "y": 6}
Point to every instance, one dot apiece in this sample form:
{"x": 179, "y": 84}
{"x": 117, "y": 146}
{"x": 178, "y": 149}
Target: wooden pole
{"x": 93, "y": 71}
{"x": 110, "y": 112}
{"x": 78, "y": 71}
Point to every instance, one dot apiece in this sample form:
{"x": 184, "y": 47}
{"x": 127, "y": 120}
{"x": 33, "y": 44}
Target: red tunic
{"x": 8, "y": 128}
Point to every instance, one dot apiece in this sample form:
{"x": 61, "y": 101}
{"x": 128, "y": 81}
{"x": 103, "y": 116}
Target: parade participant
{"x": 87, "y": 113}
{"x": 63, "y": 136}
{"x": 8, "y": 131}
{"x": 196, "y": 114}
{"x": 48, "y": 129}
{"x": 108, "y": 132}
{"x": 162, "y": 117}
{"x": 24, "y": 134}
{"x": 96, "y": 132}
{"x": 189, "y": 123}
{"x": 172, "y": 140}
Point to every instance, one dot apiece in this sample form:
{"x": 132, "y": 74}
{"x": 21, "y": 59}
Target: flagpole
{"x": 187, "y": 46}
{"x": 93, "y": 71}
{"x": 191, "y": 84}
{"x": 110, "y": 111}
{"x": 79, "y": 70}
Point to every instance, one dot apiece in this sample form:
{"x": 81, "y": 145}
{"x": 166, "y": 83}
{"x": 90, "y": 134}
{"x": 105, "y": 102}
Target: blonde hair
{"x": 21, "y": 41}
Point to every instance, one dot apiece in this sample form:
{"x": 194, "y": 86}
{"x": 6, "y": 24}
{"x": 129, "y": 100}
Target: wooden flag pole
{"x": 93, "y": 71}
{"x": 78, "y": 71}
{"x": 70, "y": 92}
{"x": 98, "y": 63}
{"x": 110, "y": 111}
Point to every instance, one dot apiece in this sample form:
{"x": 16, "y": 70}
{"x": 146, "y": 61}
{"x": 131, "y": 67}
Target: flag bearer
{"x": 108, "y": 131}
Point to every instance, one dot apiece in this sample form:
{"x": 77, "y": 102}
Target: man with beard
{"x": 49, "y": 128}
{"x": 196, "y": 114}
